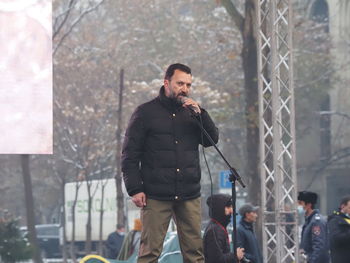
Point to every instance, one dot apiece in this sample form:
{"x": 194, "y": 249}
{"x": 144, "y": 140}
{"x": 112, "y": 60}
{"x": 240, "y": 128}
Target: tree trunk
{"x": 250, "y": 64}
{"x": 249, "y": 61}
{"x": 63, "y": 223}
{"x": 100, "y": 241}
{"x": 88, "y": 223}
{"x": 121, "y": 219}
{"x": 72, "y": 244}
{"x": 30, "y": 208}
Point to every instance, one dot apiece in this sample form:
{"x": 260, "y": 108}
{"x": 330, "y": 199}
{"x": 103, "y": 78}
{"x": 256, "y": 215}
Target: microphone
{"x": 193, "y": 108}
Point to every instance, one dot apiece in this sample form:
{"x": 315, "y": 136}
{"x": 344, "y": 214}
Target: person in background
{"x": 314, "y": 242}
{"x": 339, "y": 232}
{"x": 114, "y": 242}
{"x": 131, "y": 241}
{"x": 216, "y": 243}
{"x": 246, "y": 237}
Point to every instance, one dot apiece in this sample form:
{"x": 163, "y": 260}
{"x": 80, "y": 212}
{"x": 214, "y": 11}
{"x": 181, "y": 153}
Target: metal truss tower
{"x": 277, "y": 131}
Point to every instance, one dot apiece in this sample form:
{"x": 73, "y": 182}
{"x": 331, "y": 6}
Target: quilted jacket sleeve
{"x": 132, "y": 153}
{"x": 210, "y": 127}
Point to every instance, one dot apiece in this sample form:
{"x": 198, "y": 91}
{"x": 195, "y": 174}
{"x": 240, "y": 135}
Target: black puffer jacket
{"x": 339, "y": 237}
{"x": 160, "y": 152}
{"x": 215, "y": 241}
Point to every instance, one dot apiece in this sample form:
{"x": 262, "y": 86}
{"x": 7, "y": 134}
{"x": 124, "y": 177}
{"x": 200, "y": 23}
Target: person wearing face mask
{"x": 160, "y": 164}
{"x": 216, "y": 242}
{"x": 339, "y": 232}
{"x": 246, "y": 237}
{"x": 314, "y": 240}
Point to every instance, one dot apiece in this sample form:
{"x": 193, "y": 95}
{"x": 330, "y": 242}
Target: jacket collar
{"x": 308, "y": 218}
{"x": 342, "y": 215}
{"x": 246, "y": 224}
{"x": 169, "y": 103}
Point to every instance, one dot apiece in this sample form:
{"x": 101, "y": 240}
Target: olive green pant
{"x": 155, "y": 217}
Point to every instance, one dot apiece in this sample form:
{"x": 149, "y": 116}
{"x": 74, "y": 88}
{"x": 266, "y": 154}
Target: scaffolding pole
{"x": 277, "y": 131}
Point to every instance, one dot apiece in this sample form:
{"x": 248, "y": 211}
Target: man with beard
{"x": 160, "y": 164}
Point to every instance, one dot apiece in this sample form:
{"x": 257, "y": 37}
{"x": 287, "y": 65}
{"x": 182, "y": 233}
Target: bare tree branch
{"x": 154, "y": 66}
{"x": 341, "y": 114}
{"x": 75, "y": 22}
{"x": 334, "y": 158}
{"x": 234, "y": 13}
{"x": 66, "y": 13}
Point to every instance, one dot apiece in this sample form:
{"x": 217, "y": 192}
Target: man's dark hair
{"x": 345, "y": 200}
{"x": 171, "y": 69}
{"x": 120, "y": 226}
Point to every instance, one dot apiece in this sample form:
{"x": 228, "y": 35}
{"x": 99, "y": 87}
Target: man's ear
{"x": 166, "y": 83}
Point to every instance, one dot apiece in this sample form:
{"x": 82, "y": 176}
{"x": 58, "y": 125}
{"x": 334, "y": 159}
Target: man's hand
{"x": 240, "y": 253}
{"x": 190, "y": 103}
{"x": 139, "y": 199}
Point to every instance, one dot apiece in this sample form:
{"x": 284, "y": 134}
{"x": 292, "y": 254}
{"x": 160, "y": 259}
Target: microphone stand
{"x": 233, "y": 178}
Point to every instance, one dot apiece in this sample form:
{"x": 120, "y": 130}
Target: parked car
{"x": 48, "y": 239}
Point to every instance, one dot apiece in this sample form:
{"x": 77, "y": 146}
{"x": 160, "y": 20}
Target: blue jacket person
{"x": 314, "y": 241}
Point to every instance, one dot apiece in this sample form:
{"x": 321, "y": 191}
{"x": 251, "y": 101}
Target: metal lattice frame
{"x": 277, "y": 131}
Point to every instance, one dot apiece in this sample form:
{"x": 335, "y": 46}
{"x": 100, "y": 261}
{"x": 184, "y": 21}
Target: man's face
{"x": 251, "y": 217}
{"x": 306, "y": 206}
{"x": 179, "y": 84}
{"x": 228, "y": 210}
{"x": 345, "y": 209}
{"x": 302, "y": 204}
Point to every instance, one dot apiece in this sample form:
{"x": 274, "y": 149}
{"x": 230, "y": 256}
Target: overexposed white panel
{"x": 25, "y": 77}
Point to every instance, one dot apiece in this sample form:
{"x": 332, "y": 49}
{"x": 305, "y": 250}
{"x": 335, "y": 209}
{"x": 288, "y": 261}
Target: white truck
{"x": 81, "y": 211}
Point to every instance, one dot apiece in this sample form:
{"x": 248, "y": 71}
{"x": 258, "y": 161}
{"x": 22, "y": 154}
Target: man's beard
{"x": 178, "y": 98}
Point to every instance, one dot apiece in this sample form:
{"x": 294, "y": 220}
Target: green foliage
{"x": 13, "y": 246}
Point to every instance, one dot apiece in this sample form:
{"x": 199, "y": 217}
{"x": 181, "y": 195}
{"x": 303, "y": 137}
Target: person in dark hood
{"x": 314, "y": 239}
{"x": 216, "y": 242}
{"x": 339, "y": 232}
